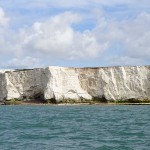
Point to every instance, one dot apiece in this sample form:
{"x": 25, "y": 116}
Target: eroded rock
{"x": 79, "y": 84}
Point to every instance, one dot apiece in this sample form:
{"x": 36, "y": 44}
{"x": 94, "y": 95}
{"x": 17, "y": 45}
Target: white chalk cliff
{"x": 60, "y": 83}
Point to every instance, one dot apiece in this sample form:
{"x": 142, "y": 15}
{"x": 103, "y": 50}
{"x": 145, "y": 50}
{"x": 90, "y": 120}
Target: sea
{"x": 75, "y": 127}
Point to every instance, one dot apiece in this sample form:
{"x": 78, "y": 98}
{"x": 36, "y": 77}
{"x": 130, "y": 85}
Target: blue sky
{"x": 81, "y": 33}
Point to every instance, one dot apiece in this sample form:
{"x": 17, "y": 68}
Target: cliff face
{"x": 59, "y": 83}
{"x": 117, "y": 83}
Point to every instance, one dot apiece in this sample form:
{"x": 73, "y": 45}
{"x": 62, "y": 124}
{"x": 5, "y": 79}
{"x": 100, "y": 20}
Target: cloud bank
{"x": 100, "y": 31}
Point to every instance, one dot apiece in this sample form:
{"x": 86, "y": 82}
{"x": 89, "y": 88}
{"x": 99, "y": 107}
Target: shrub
{"x": 100, "y": 99}
{"x": 12, "y": 102}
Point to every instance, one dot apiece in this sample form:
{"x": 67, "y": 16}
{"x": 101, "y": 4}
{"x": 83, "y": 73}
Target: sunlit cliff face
{"x": 60, "y": 83}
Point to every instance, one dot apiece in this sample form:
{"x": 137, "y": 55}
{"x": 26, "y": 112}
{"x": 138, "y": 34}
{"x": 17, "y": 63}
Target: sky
{"x": 74, "y": 33}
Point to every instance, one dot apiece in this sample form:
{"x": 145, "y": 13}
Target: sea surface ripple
{"x": 74, "y": 127}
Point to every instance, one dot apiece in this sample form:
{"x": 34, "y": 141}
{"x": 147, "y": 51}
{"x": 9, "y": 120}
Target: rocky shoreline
{"x": 71, "y": 103}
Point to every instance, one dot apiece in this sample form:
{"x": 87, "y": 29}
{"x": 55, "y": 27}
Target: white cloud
{"x": 133, "y": 34}
{"x": 26, "y": 62}
{"x": 56, "y": 37}
{"x": 137, "y": 34}
{"x": 3, "y": 19}
{"x": 124, "y": 61}
{"x": 74, "y": 3}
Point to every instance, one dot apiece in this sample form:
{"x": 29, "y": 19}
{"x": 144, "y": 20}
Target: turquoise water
{"x": 74, "y": 127}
